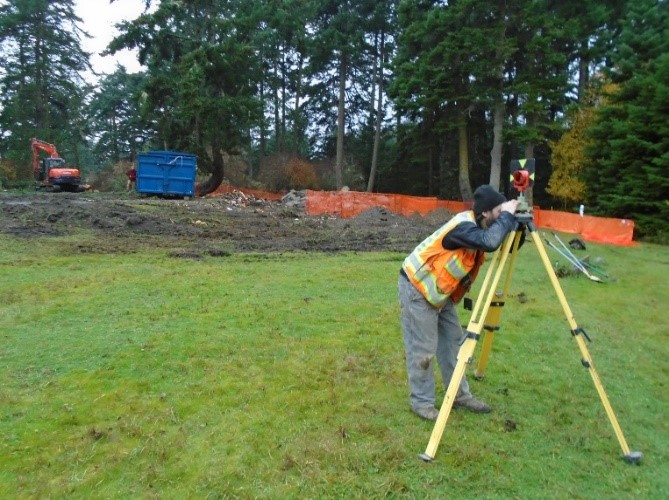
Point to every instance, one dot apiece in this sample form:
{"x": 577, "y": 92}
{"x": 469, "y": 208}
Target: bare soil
{"x": 232, "y": 223}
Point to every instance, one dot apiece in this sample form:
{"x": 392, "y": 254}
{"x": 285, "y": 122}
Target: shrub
{"x": 283, "y": 172}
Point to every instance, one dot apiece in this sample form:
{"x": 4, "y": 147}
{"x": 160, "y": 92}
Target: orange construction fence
{"x": 590, "y": 228}
{"x": 348, "y": 204}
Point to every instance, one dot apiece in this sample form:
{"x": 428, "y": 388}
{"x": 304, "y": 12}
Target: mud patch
{"x": 200, "y": 227}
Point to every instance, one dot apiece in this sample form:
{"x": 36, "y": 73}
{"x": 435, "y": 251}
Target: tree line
{"x": 425, "y": 97}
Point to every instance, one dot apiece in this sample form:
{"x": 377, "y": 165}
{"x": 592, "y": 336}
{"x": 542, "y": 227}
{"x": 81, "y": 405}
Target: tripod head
{"x": 522, "y": 177}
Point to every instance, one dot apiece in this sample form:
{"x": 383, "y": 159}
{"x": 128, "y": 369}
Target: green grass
{"x": 282, "y": 376}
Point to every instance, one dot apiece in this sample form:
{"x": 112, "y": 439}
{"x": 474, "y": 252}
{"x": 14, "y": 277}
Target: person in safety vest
{"x": 433, "y": 279}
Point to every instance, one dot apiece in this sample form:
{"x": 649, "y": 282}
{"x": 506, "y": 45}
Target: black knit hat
{"x": 486, "y": 198}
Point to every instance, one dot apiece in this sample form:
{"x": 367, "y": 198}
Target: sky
{"x": 99, "y": 18}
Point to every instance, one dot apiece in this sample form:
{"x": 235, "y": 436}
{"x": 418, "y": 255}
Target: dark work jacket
{"x": 471, "y": 235}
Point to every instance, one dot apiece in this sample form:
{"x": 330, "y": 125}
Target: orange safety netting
{"x": 348, "y": 204}
{"x": 601, "y": 229}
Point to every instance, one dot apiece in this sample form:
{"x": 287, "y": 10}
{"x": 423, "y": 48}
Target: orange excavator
{"x": 51, "y": 172}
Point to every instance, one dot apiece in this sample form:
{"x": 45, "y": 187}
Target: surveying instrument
{"x": 488, "y": 308}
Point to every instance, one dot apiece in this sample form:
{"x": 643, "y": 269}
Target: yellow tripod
{"x": 486, "y": 315}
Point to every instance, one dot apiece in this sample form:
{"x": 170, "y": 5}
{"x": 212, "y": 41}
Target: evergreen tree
{"x": 283, "y": 49}
{"x": 432, "y": 80}
{"x": 449, "y": 72}
{"x": 495, "y": 73}
{"x": 115, "y": 117}
{"x": 383, "y": 30}
{"x": 203, "y": 69}
{"x": 587, "y": 30}
{"x": 337, "y": 65}
{"x": 629, "y": 173}
{"x": 41, "y": 87}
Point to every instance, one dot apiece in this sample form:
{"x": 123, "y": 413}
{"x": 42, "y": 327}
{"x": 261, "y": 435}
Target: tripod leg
{"x": 464, "y": 358}
{"x": 466, "y": 351}
{"x": 492, "y": 320}
{"x": 579, "y": 333}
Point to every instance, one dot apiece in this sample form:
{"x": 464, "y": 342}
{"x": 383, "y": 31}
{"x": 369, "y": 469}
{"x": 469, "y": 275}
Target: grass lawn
{"x": 282, "y": 376}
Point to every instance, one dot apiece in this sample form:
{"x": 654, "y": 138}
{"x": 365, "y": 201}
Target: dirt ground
{"x": 231, "y": 223}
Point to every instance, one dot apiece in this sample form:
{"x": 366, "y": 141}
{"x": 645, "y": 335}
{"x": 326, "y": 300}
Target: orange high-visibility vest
{"x": 438, "y": 273}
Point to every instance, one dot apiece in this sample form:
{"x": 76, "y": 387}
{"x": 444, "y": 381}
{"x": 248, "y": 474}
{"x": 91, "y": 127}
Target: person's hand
{"x": 510, "y": 206}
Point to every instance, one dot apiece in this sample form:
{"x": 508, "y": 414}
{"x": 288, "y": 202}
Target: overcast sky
{"x": 99, "y": 18}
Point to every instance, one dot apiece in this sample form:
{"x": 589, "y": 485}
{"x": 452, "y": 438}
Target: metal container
{"x": 167, "y": 173}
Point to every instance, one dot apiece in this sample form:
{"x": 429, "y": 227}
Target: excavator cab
{"x": 46, "y": 164}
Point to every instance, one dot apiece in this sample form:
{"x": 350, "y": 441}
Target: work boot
{"x": 472, "y": 404}
{"x": 426, "y": 412}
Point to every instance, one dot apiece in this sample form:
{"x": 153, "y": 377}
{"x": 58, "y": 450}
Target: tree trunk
{"x": 116, "y": 154}
{"x": 583, "y": 71}
{"x": 379, "y": 121}
{"x": 496, "y": 152}
{"x": 339, "y": 166}
{"x": 297, "y": 118}
{"x": 278, "y": 138}
{"x": 431, "y": 162}
{"x": 283, "y": 97}
{"x": 499, "y": 109}
{"x": 42, "y": 122}
{"x": 263, "y": 131}
{"x": 216, "y": 177}
{"x": 463, "y": 160}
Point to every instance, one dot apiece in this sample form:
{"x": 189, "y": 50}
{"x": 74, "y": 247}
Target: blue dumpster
{"x": 169, "y": 173}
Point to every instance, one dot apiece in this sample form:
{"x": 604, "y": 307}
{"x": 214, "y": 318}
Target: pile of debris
{"x": 295, "y": 199}
{"x": 238, "y": 199}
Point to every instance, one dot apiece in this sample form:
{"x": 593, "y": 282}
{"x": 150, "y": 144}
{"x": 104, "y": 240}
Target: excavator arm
{"x": 38, "y": 146}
